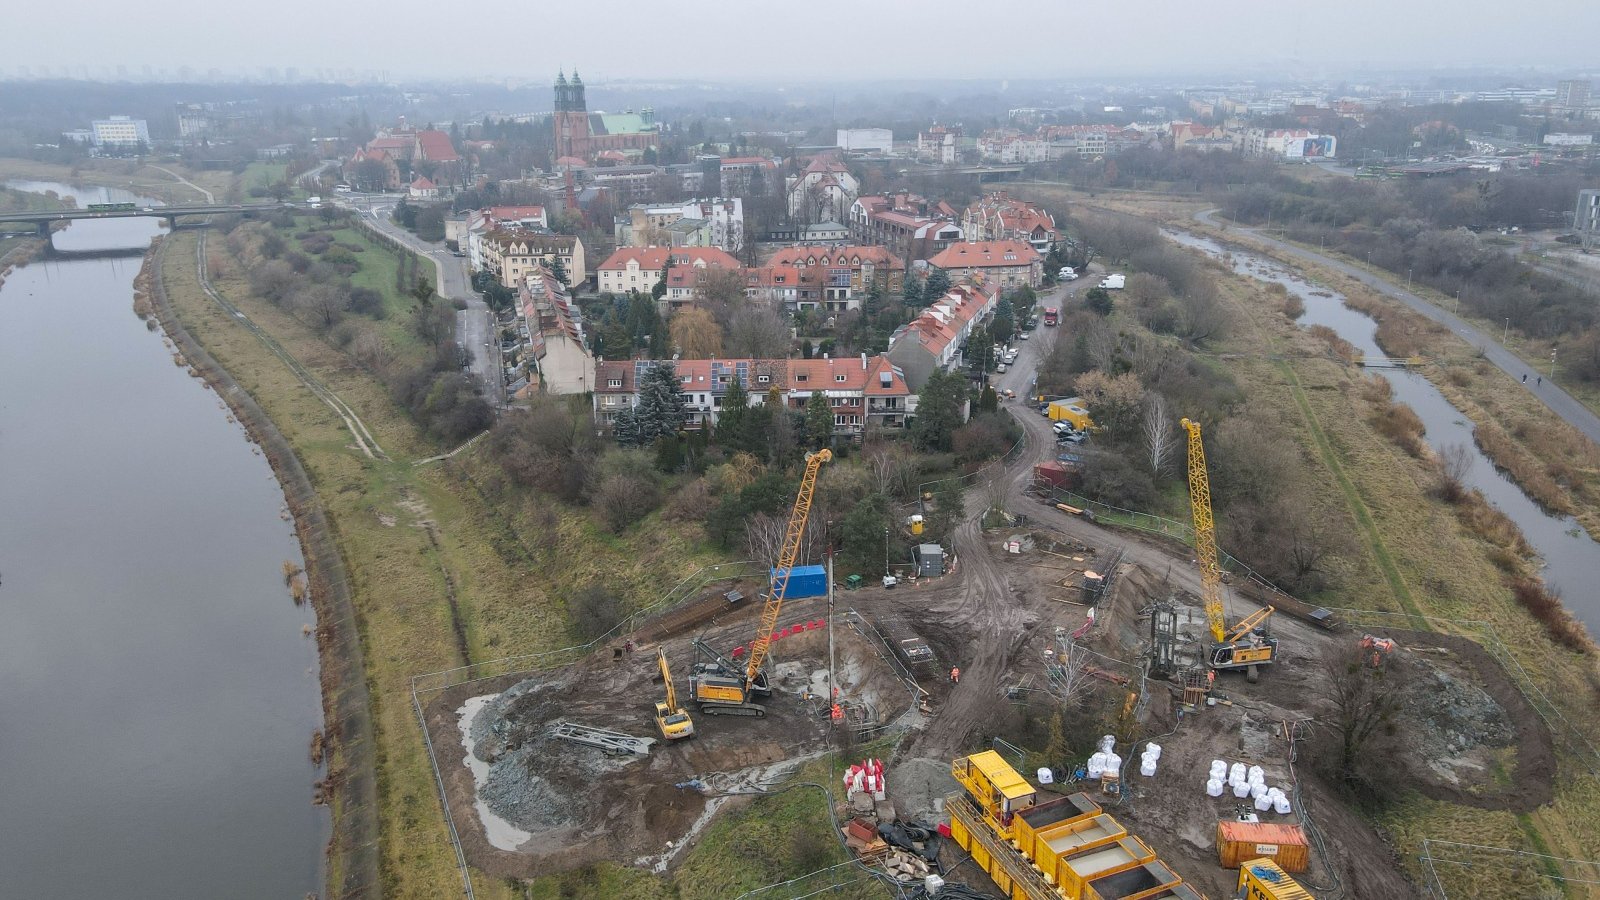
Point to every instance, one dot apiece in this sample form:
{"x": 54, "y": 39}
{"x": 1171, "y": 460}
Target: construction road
{"x": 1559, "y": 402}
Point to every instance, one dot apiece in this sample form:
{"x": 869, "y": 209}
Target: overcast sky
{"x": 813, "y": 39}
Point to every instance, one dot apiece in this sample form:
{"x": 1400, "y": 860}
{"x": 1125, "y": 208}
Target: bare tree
{"x": 372, "y": 351}
{"x": 893, "y": 470}
{"x": 1454, "y": 461}
{"x": 1365, "y": 702}
{"x": 1160, "y": 433}
{"x": 324, "y": 303}
{"x": 1071, "y": 681}
{"x": 764, "y": 533}
{"x": 758, "y": 332}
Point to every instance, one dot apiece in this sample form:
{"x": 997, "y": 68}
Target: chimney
{"x": 863, "y": 362}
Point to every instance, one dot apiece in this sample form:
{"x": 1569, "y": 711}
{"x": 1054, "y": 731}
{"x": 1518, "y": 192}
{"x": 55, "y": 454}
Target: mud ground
{"x": 580, "y": 805}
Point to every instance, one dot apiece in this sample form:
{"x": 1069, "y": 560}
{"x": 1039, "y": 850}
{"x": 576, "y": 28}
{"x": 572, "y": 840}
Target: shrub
{"x": 593, "y": 611}
{"x": 1545, "y": 605}
{"x": 1400, "y": 424}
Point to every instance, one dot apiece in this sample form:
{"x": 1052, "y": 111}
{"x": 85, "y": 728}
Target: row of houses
{"x": 863, "y": 392}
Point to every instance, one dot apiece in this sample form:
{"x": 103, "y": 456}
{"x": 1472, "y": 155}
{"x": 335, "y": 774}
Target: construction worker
{"x": 955, "y": 674}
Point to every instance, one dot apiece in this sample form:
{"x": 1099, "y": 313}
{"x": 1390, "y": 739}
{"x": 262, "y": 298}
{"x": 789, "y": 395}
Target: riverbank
{"x": 350, "y": 785}
{"x": 126, "y": 174}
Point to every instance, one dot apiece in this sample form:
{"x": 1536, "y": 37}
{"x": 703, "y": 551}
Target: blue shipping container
{"x": 805, "y": 581}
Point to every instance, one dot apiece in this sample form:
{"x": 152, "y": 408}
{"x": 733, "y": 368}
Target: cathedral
{"x": 583, "y": 135}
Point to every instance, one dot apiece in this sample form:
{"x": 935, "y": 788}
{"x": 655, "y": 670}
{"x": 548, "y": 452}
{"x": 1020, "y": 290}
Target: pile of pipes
{"x": 867, "y": 778}
{"x": 1247, "y": 781}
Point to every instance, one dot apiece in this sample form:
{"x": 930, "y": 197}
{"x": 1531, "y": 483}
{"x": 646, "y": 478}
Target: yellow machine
{"x": 1246, "y": 645}
{"x": 1048, "y": 847}
{"x": 671, "y": 718}
{"x": 1261, "y": 879}
{"x": 722, "y": 687}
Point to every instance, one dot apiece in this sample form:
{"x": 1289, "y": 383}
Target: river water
{"x": 1571, "y": 557}
{"x": 157, "y": 694}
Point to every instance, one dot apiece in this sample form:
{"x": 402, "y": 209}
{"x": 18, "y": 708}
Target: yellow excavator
{"x": 1247, "y": 645}
{"x": 672, "y": 719}
{"x": 721, "y": 687}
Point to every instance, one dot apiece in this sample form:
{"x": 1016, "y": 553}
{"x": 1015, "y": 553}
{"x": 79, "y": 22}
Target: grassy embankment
{"x": 22, "y": 201}
{"x": 510, "y": 563}
{"x": 1413, "y": 551}
{"x": 1431, "y": 561}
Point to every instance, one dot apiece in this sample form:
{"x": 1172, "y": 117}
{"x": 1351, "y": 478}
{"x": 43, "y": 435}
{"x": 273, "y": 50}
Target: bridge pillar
{"x": 44, "y": 228}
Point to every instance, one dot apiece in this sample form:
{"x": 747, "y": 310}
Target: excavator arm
{"x": 1205, "y": 533}
{"x": 666, "y": 678}
{"x": 786, "y": 559}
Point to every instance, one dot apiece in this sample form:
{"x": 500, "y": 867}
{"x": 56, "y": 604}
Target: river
{"x": 1571, "y": 557}
{"x": 157, "y": 691}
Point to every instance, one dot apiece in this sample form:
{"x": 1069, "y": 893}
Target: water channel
{"x": 157, "y": 692}
{"x": 1571, "y": 557}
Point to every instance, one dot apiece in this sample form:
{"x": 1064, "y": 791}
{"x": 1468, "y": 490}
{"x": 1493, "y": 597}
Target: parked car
{"x": 1067, "y": 274}
{"x": 1114, "y": 282}
{"x": 1074, "y": 437}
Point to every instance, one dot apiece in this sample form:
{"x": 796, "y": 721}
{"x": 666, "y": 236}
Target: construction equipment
{"x": 1246, "y": 645}
{"x": 671, "y": 718}
{"x": 718, "y": 685}
{"x": 1262, "y": 879}
{"x": 1376, "y": 650}
{"x": 613, "y": 742}
{"x": 1047, "y": 847}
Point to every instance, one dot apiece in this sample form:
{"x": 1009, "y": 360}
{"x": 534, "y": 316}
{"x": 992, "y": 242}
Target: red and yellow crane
{"x": 718, "y": 686}
{"x": 1242, "y": 646}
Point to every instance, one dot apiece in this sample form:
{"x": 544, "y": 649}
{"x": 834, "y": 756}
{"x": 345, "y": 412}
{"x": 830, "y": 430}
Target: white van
{"x": 1113, "y": 282}
{"x": 1066, "y": 274}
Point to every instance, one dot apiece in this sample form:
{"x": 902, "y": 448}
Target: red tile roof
{"x": 986, "y": 255}
{"x": 423, "y": 184}
{"x": 651, "y": 259}
{"x": 852, "y": 255}
{"x": 435, "y": 146}
{"x": 935, "y": 327}
{"x": 859, "y": 375}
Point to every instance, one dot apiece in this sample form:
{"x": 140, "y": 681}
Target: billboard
{"x": 1569, "y": 140}
{"x": 1318, "y": 146}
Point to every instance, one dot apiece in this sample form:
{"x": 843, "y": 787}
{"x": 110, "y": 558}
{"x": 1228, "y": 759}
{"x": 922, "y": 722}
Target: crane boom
{"x": 786, "y": 560}
{"x": 1205, "y": 533}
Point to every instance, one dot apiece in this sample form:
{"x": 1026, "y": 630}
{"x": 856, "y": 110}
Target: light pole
{"x": 1505, "y": 333}
{"x": 1408, "y": 278}
{"x": 1552, "y": 364}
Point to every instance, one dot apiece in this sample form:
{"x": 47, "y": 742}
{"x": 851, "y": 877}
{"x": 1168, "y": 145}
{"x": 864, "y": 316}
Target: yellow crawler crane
{"x": 1246, "y": 645}
{"x": 718, "y": 686}
{"x": 672, "y": 719}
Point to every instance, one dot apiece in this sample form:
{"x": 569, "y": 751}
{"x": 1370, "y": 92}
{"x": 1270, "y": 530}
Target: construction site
{"x": 1182, "y": 701}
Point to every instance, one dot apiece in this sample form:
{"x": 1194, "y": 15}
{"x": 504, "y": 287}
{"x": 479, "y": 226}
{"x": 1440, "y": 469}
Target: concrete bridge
{"x": 42, "y": 219}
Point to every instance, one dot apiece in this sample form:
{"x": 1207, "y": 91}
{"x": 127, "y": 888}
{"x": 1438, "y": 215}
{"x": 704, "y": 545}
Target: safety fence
{"x": 1556, "y": 872}
{"x": 685, "y": 591}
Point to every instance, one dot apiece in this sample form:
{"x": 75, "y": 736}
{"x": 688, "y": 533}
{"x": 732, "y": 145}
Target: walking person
{"x": 955, "y": 674}
{"x": 1539, "y": 382}
{"x": 1524, "y": 377}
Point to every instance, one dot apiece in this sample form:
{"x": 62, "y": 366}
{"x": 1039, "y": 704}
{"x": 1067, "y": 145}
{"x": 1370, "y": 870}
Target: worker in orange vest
{"x": 955, "y": 674}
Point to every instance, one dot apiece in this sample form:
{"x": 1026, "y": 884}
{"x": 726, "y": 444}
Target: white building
{"x": 1288, "y": 144}
{"x": 120, "y": 131}
{"x": 869, "y": 140}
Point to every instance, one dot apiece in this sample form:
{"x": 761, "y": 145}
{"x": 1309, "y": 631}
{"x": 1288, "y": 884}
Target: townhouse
{"x": 560, "y": 357}
{"x": 910, "y": 226}
{"x": 933, "y": 340}
{"x": 999, "y": 217}
{"x": 511, "y": 254}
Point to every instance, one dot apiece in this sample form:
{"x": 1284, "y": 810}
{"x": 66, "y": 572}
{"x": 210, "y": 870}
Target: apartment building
{"x": 512, "y": 254}
{"x": 639, "y": 268}
{"x": 910, "y": 226}
{"x": 847, "y": 273}
{"x": 1006, "y": 263}
{"x": 559, "y": 354}
{"x": 999, "y": 217}
{"x": 863, "y": 392}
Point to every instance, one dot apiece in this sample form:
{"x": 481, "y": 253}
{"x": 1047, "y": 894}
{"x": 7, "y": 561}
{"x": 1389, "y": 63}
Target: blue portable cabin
{"x": 804, "y": 581}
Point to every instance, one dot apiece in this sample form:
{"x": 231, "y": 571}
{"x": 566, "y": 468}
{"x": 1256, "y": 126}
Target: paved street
{"x": 474, "y": 325}
{"x": 1560, "y": 402}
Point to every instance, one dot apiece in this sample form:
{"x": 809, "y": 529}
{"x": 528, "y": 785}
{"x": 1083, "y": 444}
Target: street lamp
{"x": 1505, "y": 333}
{"x": 1553, "y": 363}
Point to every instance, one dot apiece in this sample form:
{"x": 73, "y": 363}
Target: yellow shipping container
{"x": 1071, "y": 410}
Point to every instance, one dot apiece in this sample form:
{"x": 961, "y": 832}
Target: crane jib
{"x": 787, "y": 555}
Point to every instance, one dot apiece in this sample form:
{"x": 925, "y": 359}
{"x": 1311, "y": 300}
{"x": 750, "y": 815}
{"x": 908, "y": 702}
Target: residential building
{"x": 824, "y": 232}
{"x": 1573, "y": 96}
{"x": 120, "y": 132}
{"x": 639, "y": 268}
{"x": 517, "y": 216}
{"x": 555, "y": 334}
{"x": 1008, "y": 263}
{"x": 1199, "y": 137}
{"x": 1287, "y": 144}
{"x": 910, "y": 226}
{"x": 721, "y": 224}
{"x": 932, "y": 341}
{"x": 846, "y": 274}
{"x": 794, "y": 287}
{"x": 1586, "y": 218}
{"x": 863, "y": 392}
{"x": 999, "y": 217}
{"x": 513, "y": 254}
{"x": 423, "y": 189}
{"x": 744, "y": 176}
{"x": 868, "y": 140}
{"x": 940, "y": 144}
{"x": 372, "y": 170}
{"x": 823, "y": 192}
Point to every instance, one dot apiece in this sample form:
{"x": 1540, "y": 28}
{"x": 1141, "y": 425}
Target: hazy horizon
{"x": 776, "y": 43}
